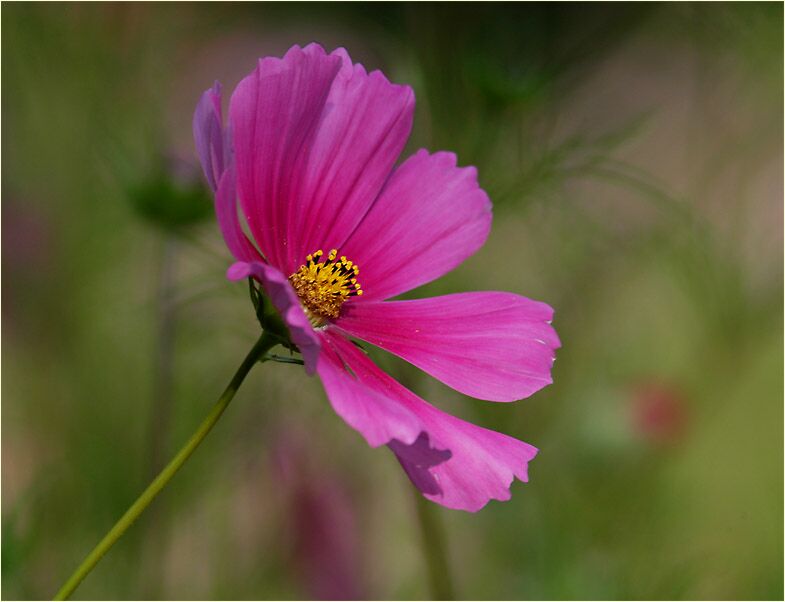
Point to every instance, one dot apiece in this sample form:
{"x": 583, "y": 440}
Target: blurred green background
{"x": 634, "y": 156}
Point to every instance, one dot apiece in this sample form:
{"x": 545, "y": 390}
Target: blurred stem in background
{"x": 162, "y": 399}
{"x": 434, "y": 546}
{"x": 434, "y": 549}
{"x": 263, "y": 345}
{"x": 162, "y": 404}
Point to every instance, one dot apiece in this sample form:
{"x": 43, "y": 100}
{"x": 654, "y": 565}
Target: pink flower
{"x": 309, "y": 153}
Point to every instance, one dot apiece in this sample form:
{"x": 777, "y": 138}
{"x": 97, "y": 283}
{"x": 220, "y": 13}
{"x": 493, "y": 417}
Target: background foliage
{"x": 634, "y": 156}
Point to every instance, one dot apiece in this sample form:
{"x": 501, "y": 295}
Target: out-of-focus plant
{"x": 320, "y": 515}
{"x": 172, "y": 196}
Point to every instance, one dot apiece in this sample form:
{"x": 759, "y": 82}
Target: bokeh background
{"x": 634, "y": 156}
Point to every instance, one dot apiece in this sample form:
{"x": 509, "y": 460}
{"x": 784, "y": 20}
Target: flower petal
{"x": 430, "y": 216}
{"x": 285, "y": 300}
{"x": 213, "y": 144}
{"x": 229, "y": 222}
{"x": 365, "y": 125}
{"x": 315, "y": 140}
{"x": 491, "y": 345}
{"x": 481, "y": 464}
{"x": 209, "y": 135}
{"x": 273, "y": 113}
{"x": 417, "y": 459}
{"x": 367, "y": 409}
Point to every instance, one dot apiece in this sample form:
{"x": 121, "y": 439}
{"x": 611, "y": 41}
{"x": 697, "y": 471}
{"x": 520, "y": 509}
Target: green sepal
{"x": 268, "y": 317}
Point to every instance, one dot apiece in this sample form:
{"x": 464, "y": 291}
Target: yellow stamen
{"x": 323, "y": 287}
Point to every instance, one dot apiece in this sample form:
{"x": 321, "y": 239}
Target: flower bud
{"x": 172, "y": 195}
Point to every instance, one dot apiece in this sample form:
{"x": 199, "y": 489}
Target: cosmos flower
{"x": 336, "y": 231}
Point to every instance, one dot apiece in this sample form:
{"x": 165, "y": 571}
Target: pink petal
{"x": 417, "y": 459}
{"x": 481, "y": 464}
{"x": 365, "y": 407}
{"x": 274, "y": 113}
{"x": 363, "y": 130}
{"x": 209, "y": 135}
{"x": 315, "y": 139}
{"x": 430, "y": 216}
{"x": 226, "y": 211}
{"x": 285, "y": 300}
{"x": 213, "y": 145}
{"x": 494, "y": 346}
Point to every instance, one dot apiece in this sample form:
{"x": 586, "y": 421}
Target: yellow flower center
{"x": 324, "y": 286}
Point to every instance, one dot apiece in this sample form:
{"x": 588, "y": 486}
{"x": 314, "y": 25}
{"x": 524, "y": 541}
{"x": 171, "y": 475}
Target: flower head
{"x": 336, "y": 231}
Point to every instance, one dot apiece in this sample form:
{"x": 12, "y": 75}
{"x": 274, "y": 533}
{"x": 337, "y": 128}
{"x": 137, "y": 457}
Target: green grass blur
{"x": 634, "y": 156}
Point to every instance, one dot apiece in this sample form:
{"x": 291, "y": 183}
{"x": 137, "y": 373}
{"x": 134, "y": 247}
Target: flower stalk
{"x": 434, "y": 550}
{"x": 262, "y": 346}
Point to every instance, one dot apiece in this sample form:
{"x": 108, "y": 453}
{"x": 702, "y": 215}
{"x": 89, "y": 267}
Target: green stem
{"x": 262, "y": 346}
{"x": 434, "y": 549}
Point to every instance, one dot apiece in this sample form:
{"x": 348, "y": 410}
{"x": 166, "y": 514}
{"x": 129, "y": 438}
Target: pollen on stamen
{"x": 324, "y": 286}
